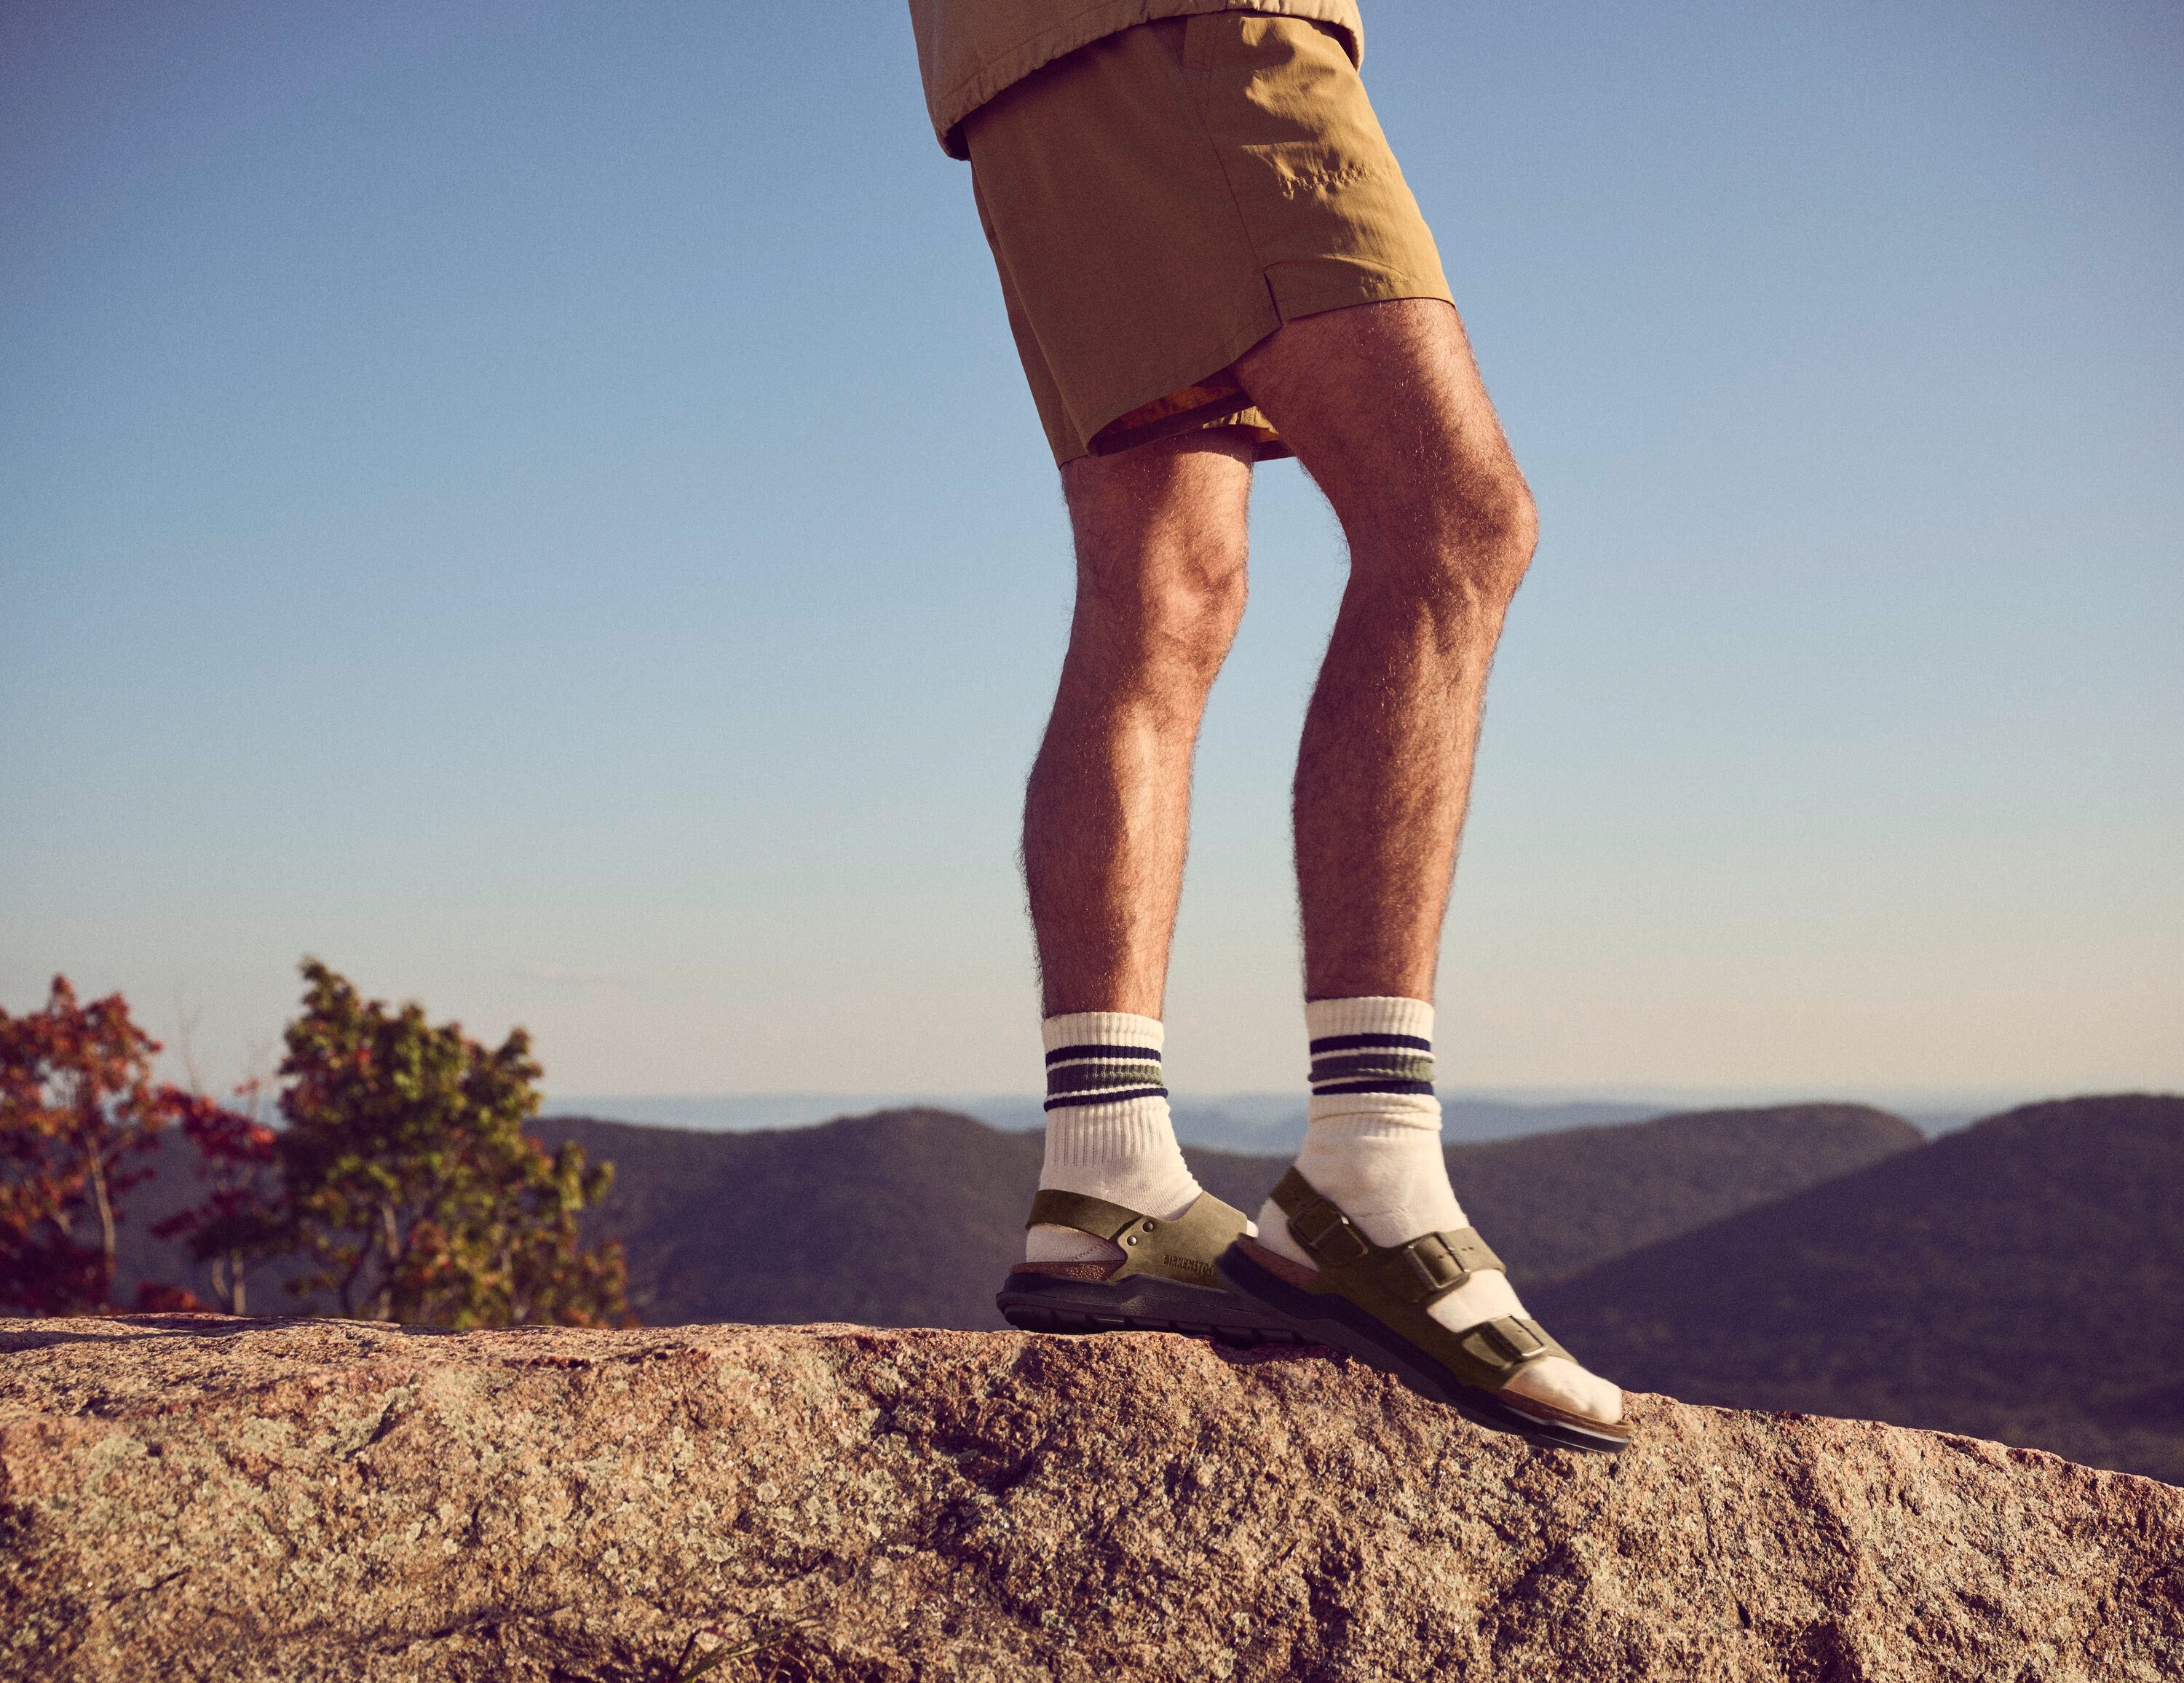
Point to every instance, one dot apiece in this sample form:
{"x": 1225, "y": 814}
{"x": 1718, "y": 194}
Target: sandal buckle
{"x": 1327, "y": 1235}
{"x": 1426, "y": 1268}
{"x": 1509, "y": 1343}
{"x": 1433, "y": 1264}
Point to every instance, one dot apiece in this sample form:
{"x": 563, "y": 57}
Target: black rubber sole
{"x": 1141, "y": 1303}
{"x": 1323, "y": 1318}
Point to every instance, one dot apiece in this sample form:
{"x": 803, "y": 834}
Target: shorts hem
{"x": 1197, "y": 370}
{"x": 1326, "y": 284}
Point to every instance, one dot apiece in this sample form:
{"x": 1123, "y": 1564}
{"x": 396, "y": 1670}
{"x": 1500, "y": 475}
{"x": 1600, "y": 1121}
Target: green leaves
{"x": 408, "y": 1182}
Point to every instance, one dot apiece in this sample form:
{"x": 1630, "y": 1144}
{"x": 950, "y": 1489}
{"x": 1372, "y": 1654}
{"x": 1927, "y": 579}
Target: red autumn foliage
{"x": 78, "y": 1114}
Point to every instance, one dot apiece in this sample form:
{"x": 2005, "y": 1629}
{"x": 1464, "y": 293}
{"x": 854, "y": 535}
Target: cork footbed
{"x": 1085, "y": 1271}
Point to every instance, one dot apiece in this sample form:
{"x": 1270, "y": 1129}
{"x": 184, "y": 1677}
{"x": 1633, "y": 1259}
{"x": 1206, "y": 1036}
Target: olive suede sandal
{"x": 1164, "y": 1282}
{"x": 1372, "y": 1302}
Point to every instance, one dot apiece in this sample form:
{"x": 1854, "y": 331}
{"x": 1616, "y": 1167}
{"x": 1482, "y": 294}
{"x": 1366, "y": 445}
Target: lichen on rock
{"x": 193, "y": 1497}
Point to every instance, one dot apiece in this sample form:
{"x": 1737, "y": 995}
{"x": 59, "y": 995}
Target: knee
{"x": 1201, "y": 611}
{"x": 1466, "y": 549}
{"x": 1178, "y": 618}
{"x": 1502, "y": 530}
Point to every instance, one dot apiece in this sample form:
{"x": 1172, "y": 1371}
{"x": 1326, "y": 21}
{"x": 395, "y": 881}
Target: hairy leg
{"x": 1160, "y": 540}
{"x": 1384, "y": 408}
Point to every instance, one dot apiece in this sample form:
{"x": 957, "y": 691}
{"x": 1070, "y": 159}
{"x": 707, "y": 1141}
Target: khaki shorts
{"x": 1160, "y": 201}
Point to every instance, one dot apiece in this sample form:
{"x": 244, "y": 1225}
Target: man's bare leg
{"x": 1161, "y": 544}
{"x": 1160, "y": 534}
{"x": 1384, "y": 408}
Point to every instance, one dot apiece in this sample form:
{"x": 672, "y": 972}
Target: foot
{"x": 1159, "y": 1276}
{"x": 1435, "y": 1307}
{"x": 1373, "y": 1148}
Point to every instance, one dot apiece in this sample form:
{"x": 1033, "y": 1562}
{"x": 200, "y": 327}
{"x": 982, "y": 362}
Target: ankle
{"x": 1372, "y": 1142}
{"x": 1108, "y": 1132}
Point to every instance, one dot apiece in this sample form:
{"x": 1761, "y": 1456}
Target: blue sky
{"x": 535, "y": 503}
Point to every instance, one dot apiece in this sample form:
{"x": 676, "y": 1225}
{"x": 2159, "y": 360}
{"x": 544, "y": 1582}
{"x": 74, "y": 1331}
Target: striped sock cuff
{"x": 1372, "y": 1044}
{"x": 1101, "y": 1057}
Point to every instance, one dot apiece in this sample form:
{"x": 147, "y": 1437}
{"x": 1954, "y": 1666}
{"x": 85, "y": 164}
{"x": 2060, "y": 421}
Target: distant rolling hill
{"x": 898, "y": 1219}
{"x": 911, "y": 1218}
{"x": 1557, "y": 1203}
{"x": 2022, "y": 1279}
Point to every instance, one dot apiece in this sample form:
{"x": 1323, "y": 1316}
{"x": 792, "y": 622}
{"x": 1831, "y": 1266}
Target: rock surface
{"x": 189, "y": 1496}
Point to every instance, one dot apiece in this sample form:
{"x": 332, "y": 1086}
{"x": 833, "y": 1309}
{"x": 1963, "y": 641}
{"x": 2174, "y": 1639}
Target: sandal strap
{"x": 1420, "y": 1272}
{"x": 1509, "y": 1343}
{"x": 1398, "y": 1284}
{"x": 1179, "y": 1250}
{"x": 1054, "y": 1207}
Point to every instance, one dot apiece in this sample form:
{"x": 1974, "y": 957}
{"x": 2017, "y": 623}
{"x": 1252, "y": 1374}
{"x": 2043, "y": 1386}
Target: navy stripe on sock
{"x": 1425, "y": 1087}
{"x": 1351, "y": 1043}
{"x": 1131, "y": 1054}
{"x": 1062, "y": 1102}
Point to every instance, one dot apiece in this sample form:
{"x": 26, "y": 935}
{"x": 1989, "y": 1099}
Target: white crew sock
{"x": 1372, "y": 1145}
{"x": 1108, "y": 1133}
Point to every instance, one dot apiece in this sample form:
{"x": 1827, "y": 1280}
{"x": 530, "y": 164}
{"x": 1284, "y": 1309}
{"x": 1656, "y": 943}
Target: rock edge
{"x": 194, "y": 1496}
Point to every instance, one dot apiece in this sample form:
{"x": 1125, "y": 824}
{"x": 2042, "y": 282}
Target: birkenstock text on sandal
{"x": 1164, "y": 1282}
{"x": 1373, "y": 1301}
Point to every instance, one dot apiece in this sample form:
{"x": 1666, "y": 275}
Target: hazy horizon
{"x": 1275, "y": 1119}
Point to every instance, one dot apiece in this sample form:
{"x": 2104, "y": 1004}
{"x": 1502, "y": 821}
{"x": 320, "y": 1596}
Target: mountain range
{"x": 1261, "y": 1122}
{"x": 910, "y": 1218}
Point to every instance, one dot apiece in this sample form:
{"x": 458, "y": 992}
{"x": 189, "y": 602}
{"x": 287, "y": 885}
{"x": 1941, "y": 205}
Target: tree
{"x": 234, "y": 1227}
{"x": 406, "y": 1180}
{"x": 78, "y": 1114}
